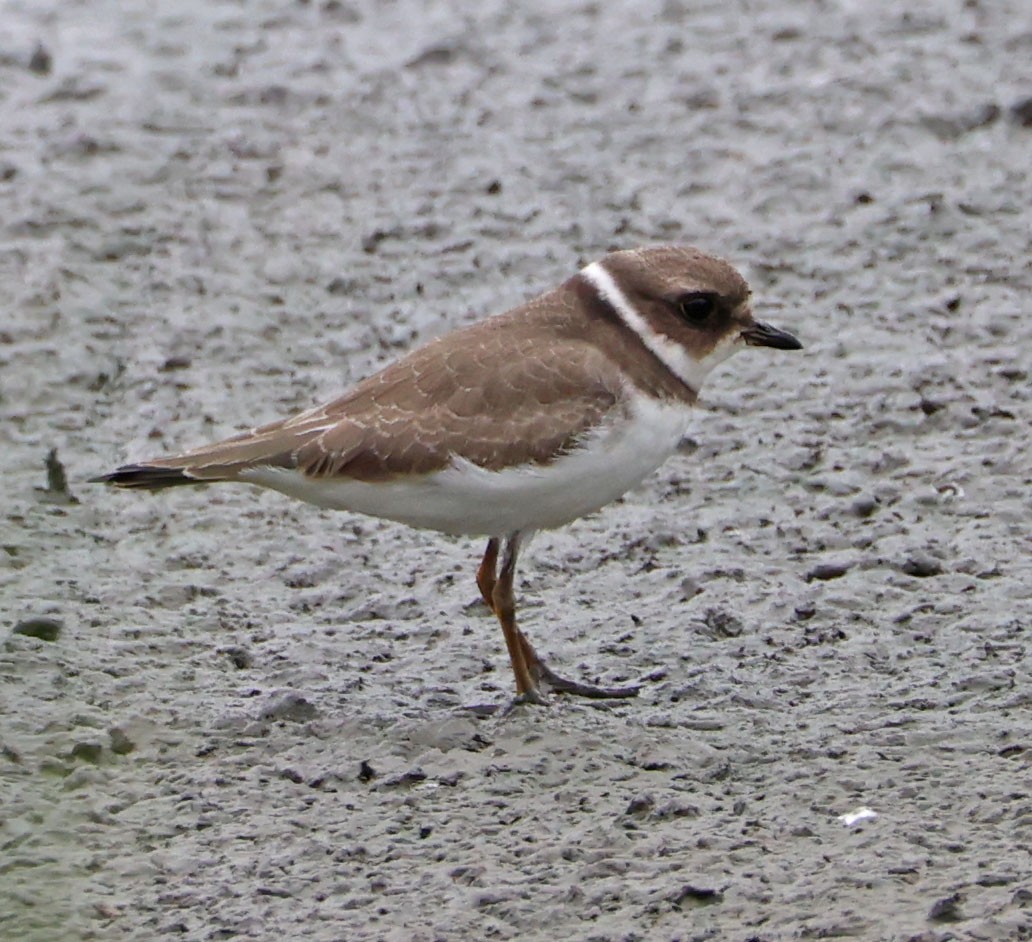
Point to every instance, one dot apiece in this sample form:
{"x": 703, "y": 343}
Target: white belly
{"x": 466, "y": 499}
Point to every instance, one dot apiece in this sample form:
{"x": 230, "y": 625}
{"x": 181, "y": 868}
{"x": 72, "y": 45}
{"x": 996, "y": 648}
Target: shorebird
{"x": 520, "y": 422}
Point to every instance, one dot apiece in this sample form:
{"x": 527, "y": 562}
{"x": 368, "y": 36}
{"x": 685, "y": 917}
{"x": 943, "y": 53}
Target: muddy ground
{"x": 251, "y": 723}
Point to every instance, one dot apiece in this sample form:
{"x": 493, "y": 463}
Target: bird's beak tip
{"x": 763, "y": 335}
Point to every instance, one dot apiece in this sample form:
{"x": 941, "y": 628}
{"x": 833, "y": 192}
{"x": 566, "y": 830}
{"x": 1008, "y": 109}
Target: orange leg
{"x": 486, "y": 574}
{"x": 503, "y": 601}
{"x": 529, "y": 668}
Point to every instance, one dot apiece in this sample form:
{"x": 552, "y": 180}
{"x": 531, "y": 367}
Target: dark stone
{"x": 289, "y": 706}
{"x": 366, "y": 773}
{"x": 121, "y": 745}
{"x": 921, "y": 564}
{"x": 1021, "y": 112}
{"x": 722, "y": 624}
{"x": 57, "y": 490}
{"x": 341, "y": 286}
{"x": 88, "y": 752}
{"x": 826, "y": 571}
{"x": 675, "y": 809}
{"x": 640, "y": 805}
{"x": 41, "y": 61}
{"x": 46, "y": 629}
{"x": 691, "y": 895}
{"x": 239, "y": 657}
{"x": 406, "y": 779}
{"x": 946, "y": 909}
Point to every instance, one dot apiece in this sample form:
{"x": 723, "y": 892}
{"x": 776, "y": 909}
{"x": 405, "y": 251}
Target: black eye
{"x": 697, "y": 307}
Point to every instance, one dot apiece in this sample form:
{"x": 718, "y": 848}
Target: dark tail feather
{"x": 147, "y": 477}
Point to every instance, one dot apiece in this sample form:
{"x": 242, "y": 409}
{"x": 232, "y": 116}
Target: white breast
{"x": 466, "y": 499}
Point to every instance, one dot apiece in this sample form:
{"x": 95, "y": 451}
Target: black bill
{"x": 763, "y": 335}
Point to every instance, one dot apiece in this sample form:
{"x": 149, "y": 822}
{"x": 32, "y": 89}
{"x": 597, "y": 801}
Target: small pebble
{"x": 921, "y": 564}
{"x": 690, "y": 894}
{"x": 88, "y": 752}
{"x": 1021, "y": 112}
{"x": 342, "y": 286}
{"x": 640, "y": 805}
{"x": 56, "y": 491}
{"x": 411, "y": 777}
{"x": 289, "y": 706}
{"x": 239, "y": 657}
{"x": 366, "y": 773}
{"x": 864, "y": 506}
{"x": 85, "y": 776}
{"x": 721, "y": 624}
{"x": 54, "y": 767}
{"x": 946, "y": 909}
{"x": 689, "y": 588}
{"x": 41, "y": 62}
{"x": 676, "y": 809}
{"x": 826, "y": 571}
{"x": 121, "y": 745}
{"x": 116, "y": 248}
{"x": 46, "y": 629}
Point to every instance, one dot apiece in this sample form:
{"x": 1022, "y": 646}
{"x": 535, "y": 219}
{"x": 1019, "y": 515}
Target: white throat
{"x": 677, "y": 359}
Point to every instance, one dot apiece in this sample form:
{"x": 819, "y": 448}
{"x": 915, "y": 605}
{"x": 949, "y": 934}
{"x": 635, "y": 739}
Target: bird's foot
{"x": 532, "y": 697}
{"x": 544, "y": 674}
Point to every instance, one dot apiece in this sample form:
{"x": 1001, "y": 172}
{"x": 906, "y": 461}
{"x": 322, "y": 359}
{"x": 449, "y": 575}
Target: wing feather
{"x": 482, "y": 395}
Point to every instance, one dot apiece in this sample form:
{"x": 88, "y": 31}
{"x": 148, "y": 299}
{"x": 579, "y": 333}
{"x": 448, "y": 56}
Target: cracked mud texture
{"x": 250, "y": 722}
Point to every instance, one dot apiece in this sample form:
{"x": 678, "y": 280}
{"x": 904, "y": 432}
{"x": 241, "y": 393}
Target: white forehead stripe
{"x": 672, "y": 355}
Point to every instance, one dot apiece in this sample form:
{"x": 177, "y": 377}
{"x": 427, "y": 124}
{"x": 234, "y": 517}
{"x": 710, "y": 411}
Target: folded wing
{"x": 488, "y": 400}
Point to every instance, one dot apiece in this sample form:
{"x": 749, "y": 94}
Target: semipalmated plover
{"x": 520, "y": 422}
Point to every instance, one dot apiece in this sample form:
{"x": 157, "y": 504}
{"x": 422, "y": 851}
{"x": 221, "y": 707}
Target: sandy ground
{"x": 251, "y": 723}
